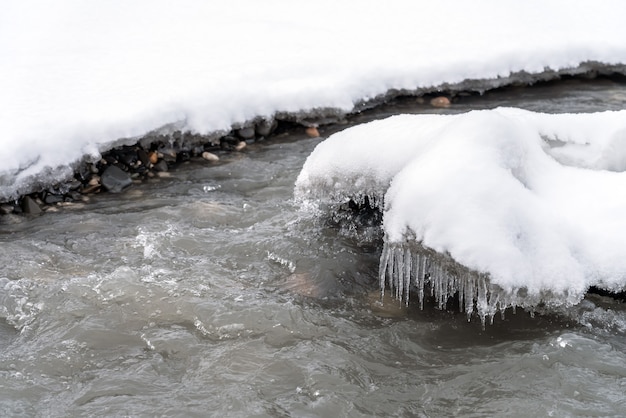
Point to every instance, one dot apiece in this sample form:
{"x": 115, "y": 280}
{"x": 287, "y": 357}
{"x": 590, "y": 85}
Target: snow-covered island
{"x": 506, "y": 206}
{"x": 525, "y": 202}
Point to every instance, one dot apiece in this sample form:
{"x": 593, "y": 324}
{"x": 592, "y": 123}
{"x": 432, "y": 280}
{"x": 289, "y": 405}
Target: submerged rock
{"x": 160, "y": 166}
{"x": 114, "y": 179}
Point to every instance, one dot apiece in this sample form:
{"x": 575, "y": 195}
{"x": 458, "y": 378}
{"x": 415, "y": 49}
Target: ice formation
{"x": 79, "y": 77}
{"x": 505, "y": 207}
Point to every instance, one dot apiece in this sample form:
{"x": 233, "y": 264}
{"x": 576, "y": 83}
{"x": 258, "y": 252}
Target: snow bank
{"x": 525, "y": 206}
{"x": 77, "y": 76}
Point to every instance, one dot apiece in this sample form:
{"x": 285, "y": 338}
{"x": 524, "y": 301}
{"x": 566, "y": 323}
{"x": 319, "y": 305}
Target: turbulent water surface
{"x": 209, "y": 293}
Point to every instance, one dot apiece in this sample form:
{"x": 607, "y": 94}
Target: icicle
{"x": 382, "y": 269}
{"x": 399, "y": 272}
{"x": 404, "y": 266}
{"x": 407, "y": 274}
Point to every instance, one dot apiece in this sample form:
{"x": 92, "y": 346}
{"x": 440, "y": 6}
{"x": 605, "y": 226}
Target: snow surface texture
{"x": 506, "y": 206}
{"x": 76, "y": 76}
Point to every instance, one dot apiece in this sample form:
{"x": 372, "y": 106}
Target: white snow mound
{"x": 531, "y": 205}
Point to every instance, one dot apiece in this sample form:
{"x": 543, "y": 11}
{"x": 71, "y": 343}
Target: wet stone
{"x": 153, "y": 157}
{"x": 312, "y": 132}
{"x": 114, "y": 179}
{"x": 168, "y": 154}
{"x": 51, "y": 199}
{"x": 143, "y": 157}
{"x": 209, "y": 156}
{"x": 240, "y": 145}
{"x": 246, "y": 133}
{"x": 440, "y": 101}
{"x": 29, "y": 206}
{"x": 160, "y": 166}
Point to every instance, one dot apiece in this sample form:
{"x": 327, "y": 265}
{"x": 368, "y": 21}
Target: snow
{"x": 77, "y": 77}
{"x": 527, "y": 205}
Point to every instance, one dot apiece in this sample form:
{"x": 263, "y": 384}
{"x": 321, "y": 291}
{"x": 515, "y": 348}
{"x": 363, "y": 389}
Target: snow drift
{"x": 507, "y": 207}
{"x": 77, "y": 77}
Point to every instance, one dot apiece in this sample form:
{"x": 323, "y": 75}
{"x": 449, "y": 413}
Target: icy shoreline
{"x": 67, "y": 182}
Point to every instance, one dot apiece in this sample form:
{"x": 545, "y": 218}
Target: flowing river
{"x": 210, "y": 293}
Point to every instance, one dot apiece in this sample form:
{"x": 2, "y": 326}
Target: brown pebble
{"x": 440, "y": 101}
{"x": 209, "y": 156}
{"x": 153, "y": 156}
{"x": 94, "y": 181}
{"x": 312, "y": 132}
{"x": 92, "y": 188}
{"x": 240, "y": 145}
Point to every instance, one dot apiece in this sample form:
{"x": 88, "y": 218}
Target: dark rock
{"x": 143, "y": 157}
{"x": 160, "y": 166}
{"x": 127, "y": 157}
{"x": 229, "y": 142}
{"x": 114, "y": 179}
{"x": 51, "y": 199}
{"x": 29, "y": 206}
{"x": 246, "y": 133}
{"x": 183, "y": 156}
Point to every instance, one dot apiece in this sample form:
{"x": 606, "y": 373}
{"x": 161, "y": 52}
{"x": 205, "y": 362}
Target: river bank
{"x": 136, "y": 160}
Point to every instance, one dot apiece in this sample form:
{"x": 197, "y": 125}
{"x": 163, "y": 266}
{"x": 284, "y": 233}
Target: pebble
{"x": 209, "y": 156}
{"x": 240, "y": 145}
{"x": 114, "y": 179}
{"x": 94, "y": 181}
{"x": 312, "y": 132}
{"x": 440, "y": 101}
{"x": 153, "y": 157}
{"x": 29, "y": 206}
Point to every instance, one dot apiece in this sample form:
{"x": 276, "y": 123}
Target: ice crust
{"x": 77, "y": 77}
{"x": 522, "y": 207}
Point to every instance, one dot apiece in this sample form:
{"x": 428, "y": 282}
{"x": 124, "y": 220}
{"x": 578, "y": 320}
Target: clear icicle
{"x": 403, "y": 266}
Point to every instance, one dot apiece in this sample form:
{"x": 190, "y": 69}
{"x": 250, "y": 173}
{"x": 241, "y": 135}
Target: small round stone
{"x": 440, "y": 101}
{"x": 240, "y": 145}
{"x": 312, "y": 132}
{"x": 209, "y": 156}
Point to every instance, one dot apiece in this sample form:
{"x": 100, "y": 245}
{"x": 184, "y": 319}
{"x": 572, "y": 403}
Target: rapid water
{"x": 209, "y": 293}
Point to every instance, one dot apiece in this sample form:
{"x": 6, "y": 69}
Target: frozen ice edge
{"x": 59, "y": 176}
{"x": 411, "y": 265}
